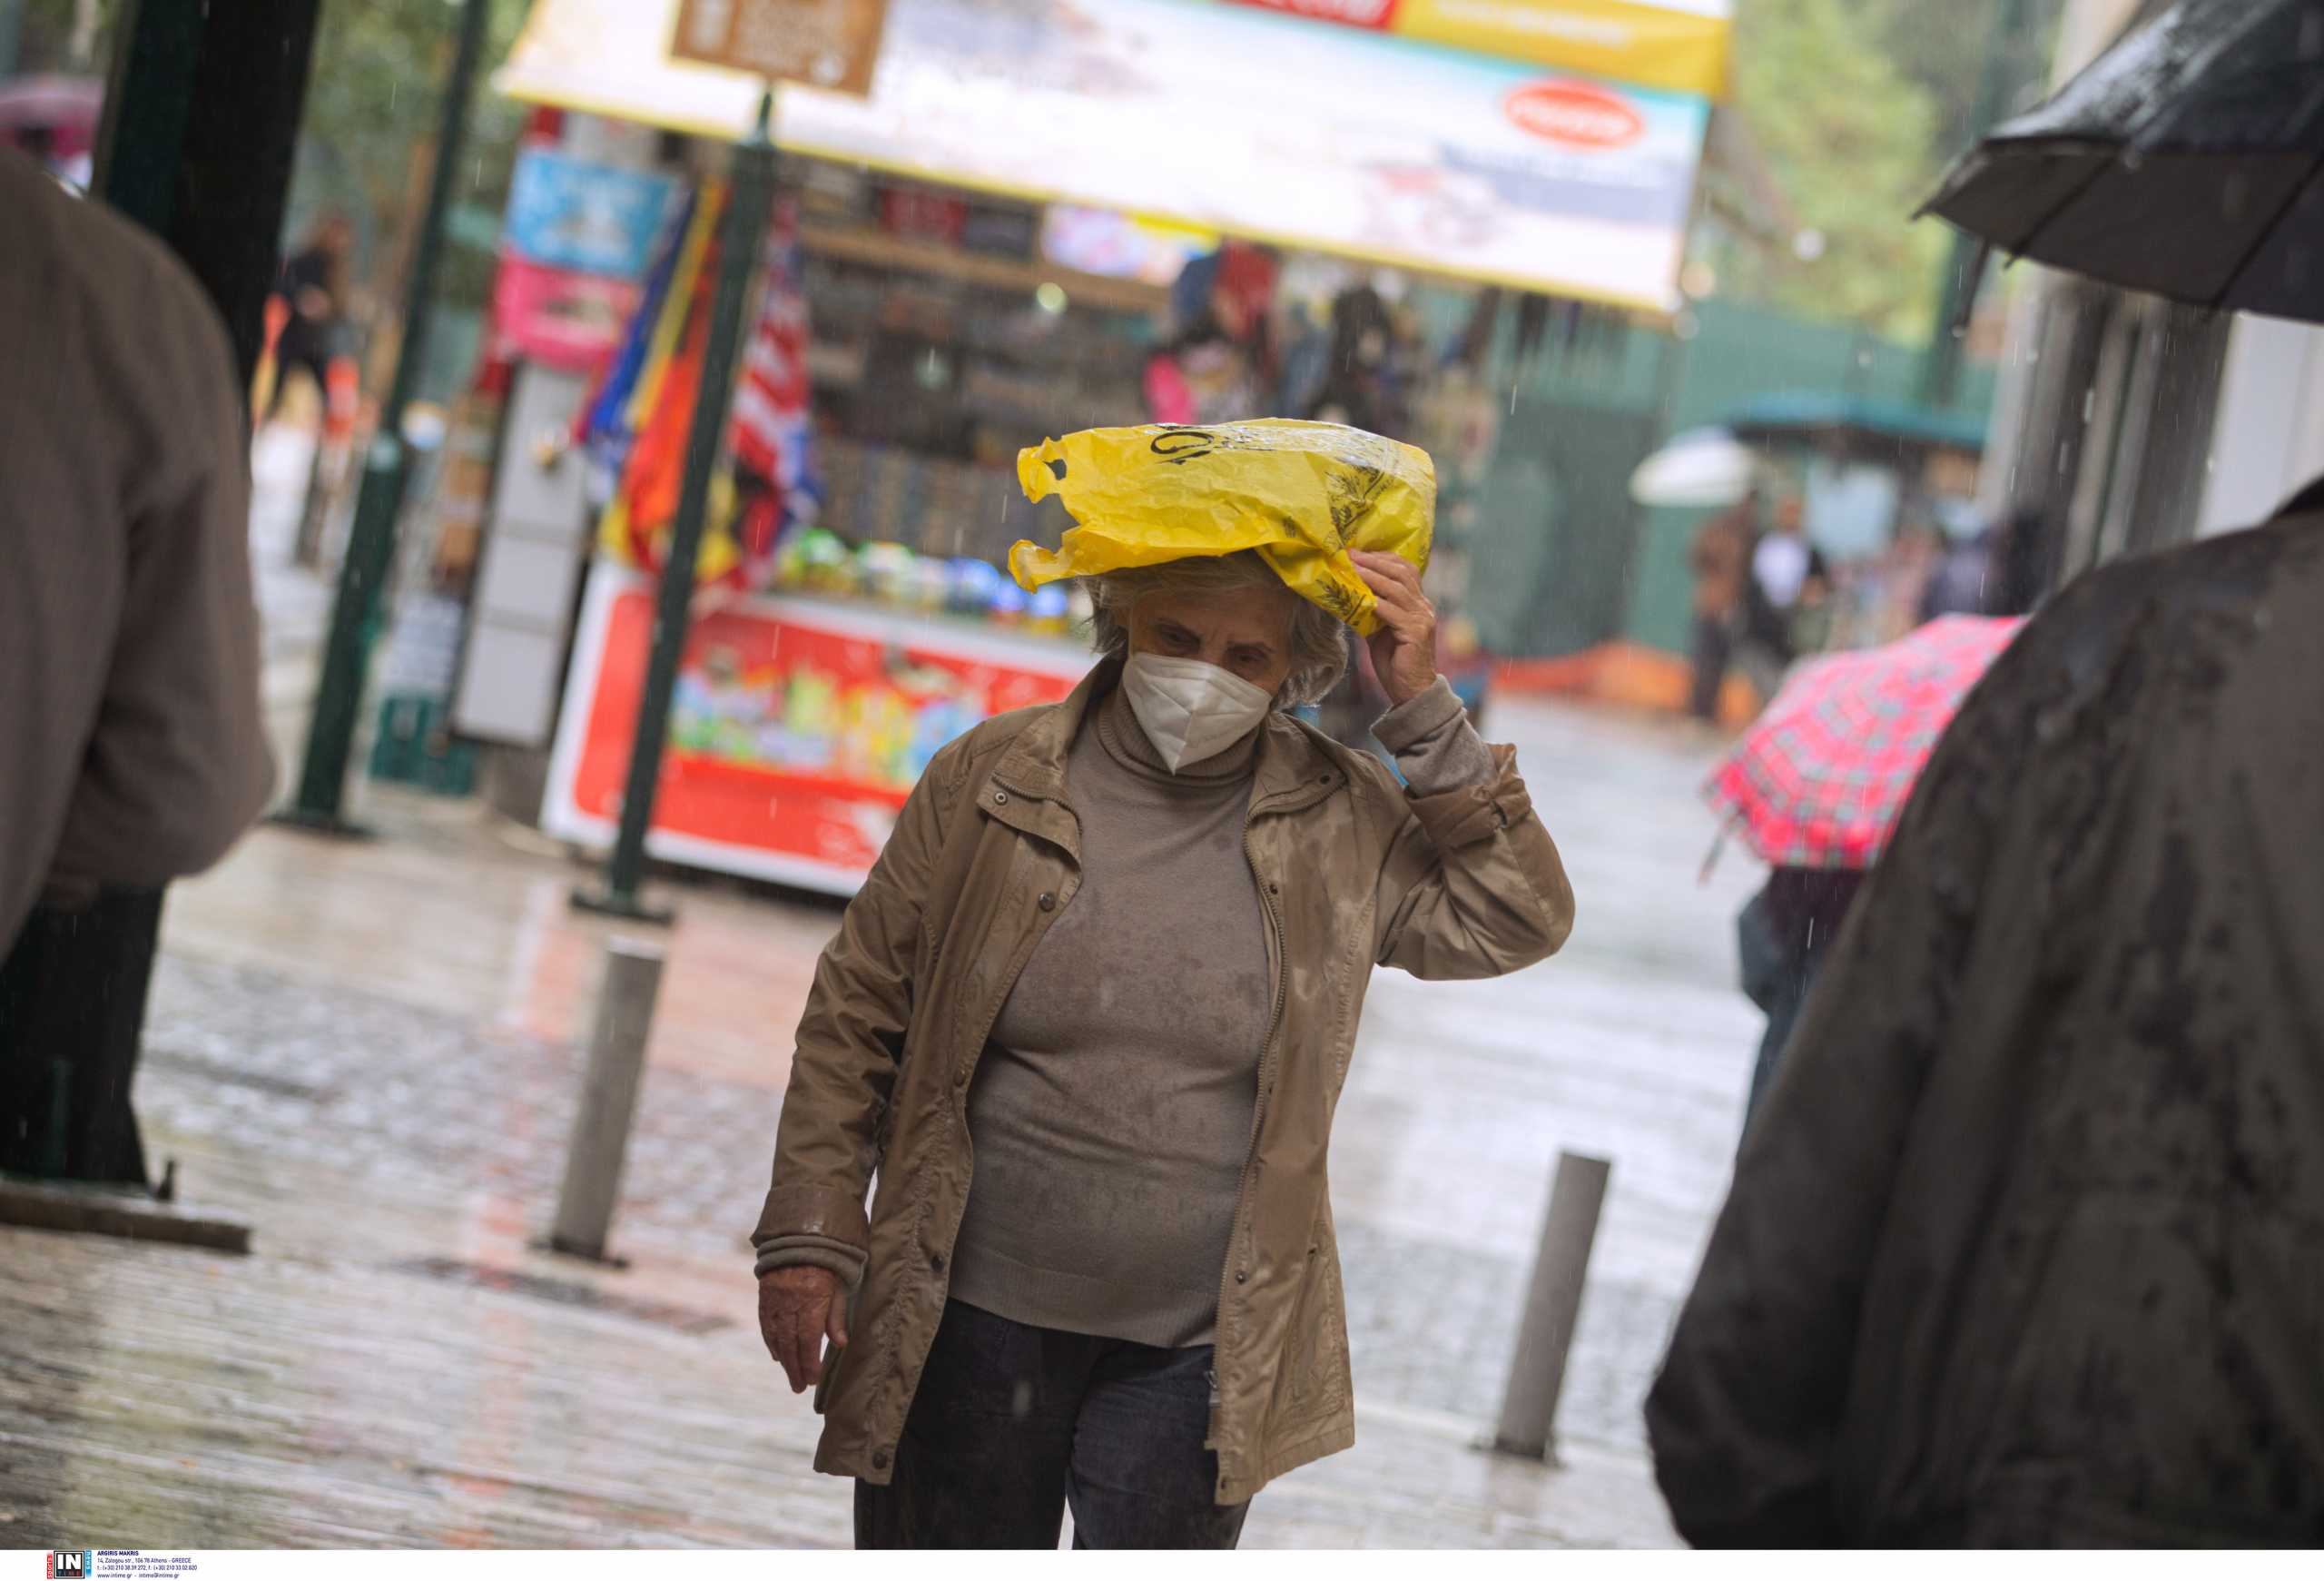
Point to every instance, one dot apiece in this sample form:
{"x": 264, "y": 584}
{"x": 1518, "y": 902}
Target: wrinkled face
{"x": 1247, "y": 632}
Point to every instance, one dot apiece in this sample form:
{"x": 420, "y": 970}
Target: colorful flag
{"x": 638, "y": 424}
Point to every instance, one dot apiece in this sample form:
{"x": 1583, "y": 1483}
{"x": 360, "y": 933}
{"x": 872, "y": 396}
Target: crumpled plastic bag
{"x": 1302, "y": 494}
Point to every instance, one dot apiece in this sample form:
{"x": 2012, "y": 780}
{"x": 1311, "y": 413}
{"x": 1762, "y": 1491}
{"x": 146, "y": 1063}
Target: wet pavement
{"x": 368, "y": 1051}
{"x": 293, "y": 600}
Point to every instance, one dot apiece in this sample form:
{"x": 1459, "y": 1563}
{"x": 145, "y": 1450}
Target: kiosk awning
{"x": 1239, "y": 117}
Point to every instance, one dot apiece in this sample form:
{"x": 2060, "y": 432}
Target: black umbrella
{"x": 2187, "y": 161}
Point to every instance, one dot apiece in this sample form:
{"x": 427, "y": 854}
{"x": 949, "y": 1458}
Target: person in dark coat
{"x": 1783, "y": 937}
{"x": 2023, "y": 556}
{"x": 1721, "y": 558}
{"x": 2026, "y": 1246}
{"x": 1964, "y": 582}
{"x": 312, "y": 283}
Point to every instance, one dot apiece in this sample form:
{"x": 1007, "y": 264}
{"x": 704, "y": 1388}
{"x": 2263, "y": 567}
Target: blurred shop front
{"x": 1043, "y": 216}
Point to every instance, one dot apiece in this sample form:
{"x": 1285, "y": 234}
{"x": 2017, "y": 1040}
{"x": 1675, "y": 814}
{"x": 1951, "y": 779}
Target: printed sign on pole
{"x": 825, "y": 44}
{"x": 570, "y": 214}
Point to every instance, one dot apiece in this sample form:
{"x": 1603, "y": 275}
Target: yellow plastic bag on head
{"x": 1302, "y": 494}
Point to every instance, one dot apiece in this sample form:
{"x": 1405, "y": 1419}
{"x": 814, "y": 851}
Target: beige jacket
{"x": 1351, "y": 872}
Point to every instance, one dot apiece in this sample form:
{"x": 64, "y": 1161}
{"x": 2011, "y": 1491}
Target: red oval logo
{"x": 1579, "y": 115}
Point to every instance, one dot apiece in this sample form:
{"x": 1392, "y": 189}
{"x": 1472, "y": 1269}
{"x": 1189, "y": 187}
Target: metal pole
{"x": 742, "y": 229}
{"x": 1529, "y": 1404}
{"x": 371, "y": 540}
{"x": 585, "y": 1207}
{"x": 306, "y": 546}
{"x": 149, "y": 96}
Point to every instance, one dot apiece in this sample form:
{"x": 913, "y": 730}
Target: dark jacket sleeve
{"x": 1745, "y": 1414}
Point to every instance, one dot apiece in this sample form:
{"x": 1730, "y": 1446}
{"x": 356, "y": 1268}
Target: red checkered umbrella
{"x": 1823, "y": 776}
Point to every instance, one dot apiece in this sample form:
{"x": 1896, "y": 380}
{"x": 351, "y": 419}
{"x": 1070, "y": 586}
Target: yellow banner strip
{"x": 1679, "y": 51}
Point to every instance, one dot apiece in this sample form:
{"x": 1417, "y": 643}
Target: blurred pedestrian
{"x": 1721, "y": 558}
{"x": 1307, "y": 358}
{"x": 2021, "y": 553}
{"x": 1792, "y": 582}
{"x": 1891, "y": 587}
{"x": 131, "y": 746}
{"x": 1783, "y": 561}
{"x": 1220, "y": 363}
{"x": 2024, "y": 1247}
{"x": 42, "y": 145}
{"x": 1363, "y": 385}
{"x": 1144, "y": 919}
{"x": 1818, "y": 785}
{"x": 1783, "y": 934}
{"x": 313, "y": 289}
{"x": 1965, "y": 580}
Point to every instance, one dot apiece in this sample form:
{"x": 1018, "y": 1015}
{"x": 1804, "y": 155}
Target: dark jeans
{"x": 286, "y": 363}
{"x": 1012, "y": 1423}
{"x": 1714, "y": 649}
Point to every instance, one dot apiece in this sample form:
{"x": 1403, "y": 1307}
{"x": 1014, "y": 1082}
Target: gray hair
{"x": 1318, "y": 641}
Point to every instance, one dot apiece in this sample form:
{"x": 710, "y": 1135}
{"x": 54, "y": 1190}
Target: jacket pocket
{"x": 1315, "y": 1369}
{"x": 835, "y": 1357}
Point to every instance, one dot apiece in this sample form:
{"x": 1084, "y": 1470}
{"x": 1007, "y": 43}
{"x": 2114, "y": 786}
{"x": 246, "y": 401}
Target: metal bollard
{"x": 1529, "y": 1404}
{"x": 585, "y": 1208}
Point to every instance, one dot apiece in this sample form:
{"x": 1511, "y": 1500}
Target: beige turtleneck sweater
{"x": 1111, "y": 1112}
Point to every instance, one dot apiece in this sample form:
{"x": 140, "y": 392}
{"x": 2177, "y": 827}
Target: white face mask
{"x": 1191, "y": 710}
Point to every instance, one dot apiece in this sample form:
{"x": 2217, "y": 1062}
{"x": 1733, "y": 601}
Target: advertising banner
{"x": 557, "y": 316}
{"x": 797, "y": 729}
{"x": 1256, "y": 121}
{"x": 592, "y": 219}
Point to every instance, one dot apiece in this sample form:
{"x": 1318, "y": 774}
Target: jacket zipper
{"x": 1258, "y": 1122}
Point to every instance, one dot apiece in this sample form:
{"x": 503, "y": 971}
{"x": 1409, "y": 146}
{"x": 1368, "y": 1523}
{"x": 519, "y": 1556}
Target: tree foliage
{"x": 1949, "y": 48}
{"x": 373, "y": 104}
{"x": 46, "y": 34}
{"x": 1852, "y": 139}
{"x": 1860, "y": 104}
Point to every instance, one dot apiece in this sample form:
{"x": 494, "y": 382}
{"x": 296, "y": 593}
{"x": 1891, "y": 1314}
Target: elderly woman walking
{"x": 1088, "y": 1022}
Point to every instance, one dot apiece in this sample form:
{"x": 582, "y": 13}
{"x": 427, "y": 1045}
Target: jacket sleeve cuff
{"x": 809, "y": 1251}
{"x": 1406, "y": 725}
{"x": 1435, "y": 749}
{"x": 813, "y": 1215}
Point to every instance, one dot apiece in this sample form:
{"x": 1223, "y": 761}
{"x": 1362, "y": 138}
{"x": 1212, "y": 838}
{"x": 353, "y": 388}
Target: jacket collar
{"x": 1292, "y": 770}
